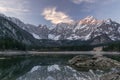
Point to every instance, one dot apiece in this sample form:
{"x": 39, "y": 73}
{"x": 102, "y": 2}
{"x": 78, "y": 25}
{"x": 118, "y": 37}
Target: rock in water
{"x": 111, "y": 76}
{"x": 95, "y": 62}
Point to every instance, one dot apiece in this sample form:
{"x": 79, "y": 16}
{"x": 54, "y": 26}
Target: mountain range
{"x": 85, "y": 31}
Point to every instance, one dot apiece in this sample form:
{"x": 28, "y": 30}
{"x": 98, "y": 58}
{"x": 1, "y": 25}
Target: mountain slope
{"x": 8, "y": 29}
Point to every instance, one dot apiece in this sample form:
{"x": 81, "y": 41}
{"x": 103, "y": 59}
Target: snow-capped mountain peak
{"x": 89, "y": 20}
{"x": 108, "y": 21}
{"x": 2, "y": 15}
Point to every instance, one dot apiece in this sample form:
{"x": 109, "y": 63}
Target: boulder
{"x": 95, "y": 62}
{"x": 111, "y": 76}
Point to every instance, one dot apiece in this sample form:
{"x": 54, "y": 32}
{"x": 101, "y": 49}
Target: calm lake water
{"x": 45, "y": 67}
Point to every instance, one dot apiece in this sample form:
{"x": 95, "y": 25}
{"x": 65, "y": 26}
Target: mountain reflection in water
{"x": 43, "y": 67}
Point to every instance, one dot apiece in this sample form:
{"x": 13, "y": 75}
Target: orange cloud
{"x": 56, "y": 16}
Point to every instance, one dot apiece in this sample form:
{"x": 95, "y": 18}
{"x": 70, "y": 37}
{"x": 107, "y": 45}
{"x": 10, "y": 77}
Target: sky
{"x": 50, "y": 12}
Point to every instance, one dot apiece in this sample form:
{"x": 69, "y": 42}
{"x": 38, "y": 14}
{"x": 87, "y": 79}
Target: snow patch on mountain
{"x": 36, "y": 36}
{"x": 88, "y": 36}
{"x": 73, "y": 37}
{"x": 51, "y": 36}
{"x": 56, "y": 37}
{"x": 79, "y": 27}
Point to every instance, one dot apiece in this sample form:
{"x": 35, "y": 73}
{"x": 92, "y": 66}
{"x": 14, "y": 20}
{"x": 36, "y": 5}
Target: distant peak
{"x": 108, "y": 21}
{"x": 90, "y": 17}
{"x": 90, "y": 20}
{"x": 2, "y": 14}
{"x": 42, "y": 26}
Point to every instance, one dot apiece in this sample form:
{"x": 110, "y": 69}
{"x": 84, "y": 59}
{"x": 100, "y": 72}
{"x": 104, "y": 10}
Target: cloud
{"x": 6, "y": 9}
{"x": 81, "y": 1}
{"x": 13, "y": 6}
{"x": 56, "y": 16}
{"x": 93, "y": 1}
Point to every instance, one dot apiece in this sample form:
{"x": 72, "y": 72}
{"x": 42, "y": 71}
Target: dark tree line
{"x": 10, "y": 44}
{"x": 115, "y": 46}
{"x": 66, "y": 48}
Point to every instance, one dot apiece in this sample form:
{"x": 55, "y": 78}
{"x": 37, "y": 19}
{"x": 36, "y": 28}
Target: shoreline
{"x": 20, "y": 53}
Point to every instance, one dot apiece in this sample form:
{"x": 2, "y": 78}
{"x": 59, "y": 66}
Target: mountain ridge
{"x": 85, "y": 31}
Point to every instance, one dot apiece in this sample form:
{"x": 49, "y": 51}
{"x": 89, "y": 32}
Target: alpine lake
{"x": 47, "y": 67}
